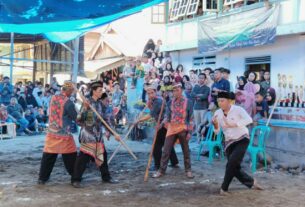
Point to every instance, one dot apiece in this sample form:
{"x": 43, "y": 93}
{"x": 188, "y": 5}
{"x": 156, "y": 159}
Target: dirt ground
{"x": 20, "y": 161}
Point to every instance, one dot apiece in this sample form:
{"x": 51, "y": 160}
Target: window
{"x": 193, "y": 7}
{"x": 174, "y": 10}
{"x": 210, "y": 5}
{"x": 202, "y": 62}
{"x": 183, "y": 7}
{"x": 158, "y": 14}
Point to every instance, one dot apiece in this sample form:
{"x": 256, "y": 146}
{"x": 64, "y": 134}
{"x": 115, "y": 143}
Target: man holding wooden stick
{"x": 154, "y": 104}
{"x": 59, "y": 139}
{"x": 178, "y": 121}
{"x": 91, "y": 138}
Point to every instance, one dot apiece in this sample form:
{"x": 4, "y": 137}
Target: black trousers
{"x": 81, "y": 163}
{"x": 48, "y": 160}
{"x": 235, "y": 154}
{"x": 157, "y": 153}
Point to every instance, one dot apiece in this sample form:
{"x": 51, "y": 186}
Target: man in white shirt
{"x": 233, "y": 121}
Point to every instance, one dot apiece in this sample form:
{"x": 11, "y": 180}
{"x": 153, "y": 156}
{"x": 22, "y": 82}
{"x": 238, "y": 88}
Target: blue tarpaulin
{"x": 61, "y": 21}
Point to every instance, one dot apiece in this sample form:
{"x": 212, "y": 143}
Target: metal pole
{"x": 75, "y": 60}
{"x": 12, "y": 57}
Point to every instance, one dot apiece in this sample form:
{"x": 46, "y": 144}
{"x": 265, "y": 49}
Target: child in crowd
{"x": 261, "y": 108}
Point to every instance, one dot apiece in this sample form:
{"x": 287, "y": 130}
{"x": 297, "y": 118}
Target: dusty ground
{"x": 20, "y": 160}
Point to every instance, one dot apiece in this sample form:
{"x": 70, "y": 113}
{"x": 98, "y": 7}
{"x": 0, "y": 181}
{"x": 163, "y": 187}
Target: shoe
{"x": 224, "y": 193}
{"x": 189, "y": 175}
{"x": 157, "y": 175}
{"x": 41, "y": 182}
{"x": 111, "y": 181}
{"x": 256, "y": 186}
{"x": 76, "y": 184}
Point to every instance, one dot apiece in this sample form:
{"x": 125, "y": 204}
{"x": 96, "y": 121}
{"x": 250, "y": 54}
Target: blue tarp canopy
{"x": 64, "y": 20}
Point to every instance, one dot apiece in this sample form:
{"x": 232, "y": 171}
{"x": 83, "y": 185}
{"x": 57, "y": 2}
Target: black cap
{"x": 104, "y": 95}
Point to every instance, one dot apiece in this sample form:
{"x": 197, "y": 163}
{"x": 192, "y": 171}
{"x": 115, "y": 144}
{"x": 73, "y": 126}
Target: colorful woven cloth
{"x": 95, "y": 150}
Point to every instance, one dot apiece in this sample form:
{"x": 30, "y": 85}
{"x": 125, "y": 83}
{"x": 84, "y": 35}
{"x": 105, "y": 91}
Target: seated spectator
{"x": 270, "y": 96}
{"x": 33, "y": 123}
{"x": 261, "y": 109}
{"x": 16, "y": 111}
{"x": 6, "y": 91}
{"x": 4, "y": 116}
{"x": 42, "y": 119}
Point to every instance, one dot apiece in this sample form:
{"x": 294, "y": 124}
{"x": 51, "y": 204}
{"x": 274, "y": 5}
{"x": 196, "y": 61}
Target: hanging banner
{"x": 246, "y": 29}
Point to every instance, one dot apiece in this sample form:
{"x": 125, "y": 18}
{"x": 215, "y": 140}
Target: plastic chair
{"x": 254, "y": 149}
{"x": 211, "y": 144}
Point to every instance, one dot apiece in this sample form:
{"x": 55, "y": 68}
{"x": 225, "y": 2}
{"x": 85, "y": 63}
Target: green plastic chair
{"x": 254, "y": 149}
{"x": 211, "y": 144}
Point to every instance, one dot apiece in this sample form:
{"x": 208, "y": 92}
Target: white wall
{"x": 287, "y": 57}
{"x": 138, "y": 28}
{"x": 184, "y": 57}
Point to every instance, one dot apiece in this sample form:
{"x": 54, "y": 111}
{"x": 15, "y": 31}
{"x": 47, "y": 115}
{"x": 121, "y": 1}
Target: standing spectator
{"x": 139, "y": 74}
{"x": 220, "y": 85}
{"x": 20, "y": 95}
{"x": 157, "y": 47}
{"x": 208, "y": 72}
{"x": 116, "y": 95}
{"x": 200, "y": 94}
{"x": 266, "y": 83}
{"x": 246, "y": 98}
{"x": 242, "y": 81}
{"x": 179, "y": 74}
{"x": 6, "y": 91}
{"x": 226, "y": 75}
{"x": 193, "y": 77}
{"x": 149, "y": 48}
{"x": 15, "y": 110}
{"x": 122, "y": 82}
{"x": 185, "y": 80}
{"x": 54, "y": 84}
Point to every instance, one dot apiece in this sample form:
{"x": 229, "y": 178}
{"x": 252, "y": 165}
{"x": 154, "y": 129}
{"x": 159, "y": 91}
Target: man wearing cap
{"x": 59, "y": 139}
{"x": 178, "y": 121}
{"x": 91, "y": 138}
{"x": 233, "y": 121}
{"x": 154, "y": 104}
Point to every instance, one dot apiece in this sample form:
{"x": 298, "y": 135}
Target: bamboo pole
{"x": 272, "y": 111}
{"x": 154, "y": 142}
{"x": 125, "y": 137}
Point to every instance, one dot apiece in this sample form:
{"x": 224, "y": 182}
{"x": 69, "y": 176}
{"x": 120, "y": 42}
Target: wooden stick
{"x": 154, "y": 142}
{"x": 106, "y": 125}
{"x": 272, "y": 110}
{"x": 125, "y": 137}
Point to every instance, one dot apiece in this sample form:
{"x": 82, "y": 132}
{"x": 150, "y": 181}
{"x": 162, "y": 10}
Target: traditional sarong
{"x": 95, "y": 150}
{"x": 59, "y": 144}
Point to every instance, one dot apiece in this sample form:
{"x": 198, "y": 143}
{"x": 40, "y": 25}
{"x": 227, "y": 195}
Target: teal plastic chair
{"x": 259, "y": 146}
{"x": 211, "y": 144}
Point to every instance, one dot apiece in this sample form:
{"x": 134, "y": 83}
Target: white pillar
{"x": 12, "y": 57}
{"x": 75, "y": 60}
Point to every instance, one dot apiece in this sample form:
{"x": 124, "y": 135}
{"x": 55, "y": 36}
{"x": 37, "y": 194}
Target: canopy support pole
{"x": 11, "y": 57}
{"x": 75, "y": 60}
